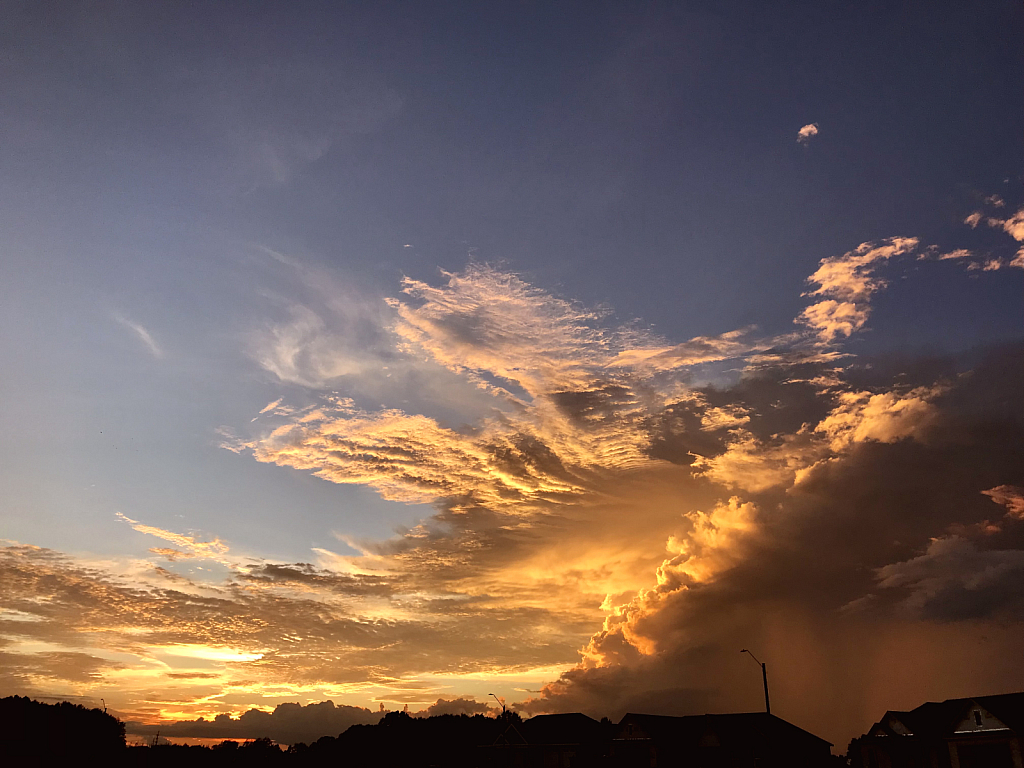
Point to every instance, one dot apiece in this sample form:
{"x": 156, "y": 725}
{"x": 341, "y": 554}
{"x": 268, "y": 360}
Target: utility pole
{"x": 764, "y": 676}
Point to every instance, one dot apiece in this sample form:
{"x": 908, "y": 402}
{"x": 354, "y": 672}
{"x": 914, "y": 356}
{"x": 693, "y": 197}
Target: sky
{"x": 404, "y": 354}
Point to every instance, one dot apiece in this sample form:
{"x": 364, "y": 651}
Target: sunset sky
{"x": 405, "y": 353}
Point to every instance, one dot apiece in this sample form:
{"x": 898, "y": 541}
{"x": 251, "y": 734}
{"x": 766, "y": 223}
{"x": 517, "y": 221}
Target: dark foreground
{"x": 32, "y": 733}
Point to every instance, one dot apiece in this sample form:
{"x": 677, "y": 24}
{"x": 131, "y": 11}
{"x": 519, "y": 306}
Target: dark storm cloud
{"x": 883, "y": 537}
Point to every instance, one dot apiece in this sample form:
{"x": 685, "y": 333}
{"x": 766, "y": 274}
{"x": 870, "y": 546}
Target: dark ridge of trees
{"x": 452, "y": 741}
{"x": 443, "y": 740}
{"x": 255, "y": 752}
{"x": 41, "y": 734}
{"x": 36, "y": 734}
{"x": 34, "y": 731}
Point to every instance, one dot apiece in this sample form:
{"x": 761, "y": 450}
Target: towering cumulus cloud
{"x": 830, "y": 512}
{"x": 627, "y": 511}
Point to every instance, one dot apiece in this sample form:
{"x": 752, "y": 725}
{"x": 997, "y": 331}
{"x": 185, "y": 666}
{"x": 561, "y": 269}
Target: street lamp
{"x": 500, "y": 702}
{"x": 764, "y": 675}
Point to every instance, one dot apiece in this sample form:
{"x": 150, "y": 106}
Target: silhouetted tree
{"x": 31, "y": 728}
{"x": 509, "y": 717}
{"x": 263, "y": 744}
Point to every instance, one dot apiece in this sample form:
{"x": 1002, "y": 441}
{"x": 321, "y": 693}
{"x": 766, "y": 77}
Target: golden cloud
{"x": 601, "y": 487}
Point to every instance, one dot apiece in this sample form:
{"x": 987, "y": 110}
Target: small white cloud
{"x": 141, "y": 332}
{"x": 973, "y": 220}
{"x": 804, "y": 134}
{"x": 959, "y": 253}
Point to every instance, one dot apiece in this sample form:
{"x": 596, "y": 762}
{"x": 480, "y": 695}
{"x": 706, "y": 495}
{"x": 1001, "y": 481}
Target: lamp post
{"x": 764, "y": 676}
{"x": 500, "y": 702}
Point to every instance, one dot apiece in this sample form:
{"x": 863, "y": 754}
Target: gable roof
{"x": 734, "y": 728}
{"x": 1008, "y": 707}
{"x": 510, "y": 737}
{"x": 936, "y": 719}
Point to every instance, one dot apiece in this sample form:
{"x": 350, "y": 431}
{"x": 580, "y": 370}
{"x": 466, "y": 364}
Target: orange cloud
{"x": 847, "y": 283}
{"x": 598, "y": 487}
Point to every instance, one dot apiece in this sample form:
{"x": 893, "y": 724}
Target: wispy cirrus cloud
{"x": 141, "y": 333}
{"x": 185, "y": 546}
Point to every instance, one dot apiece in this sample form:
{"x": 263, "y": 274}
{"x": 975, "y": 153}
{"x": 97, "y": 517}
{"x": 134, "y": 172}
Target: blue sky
{"x": 206, "y": 211}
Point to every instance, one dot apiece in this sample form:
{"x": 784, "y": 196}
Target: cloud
{"x": 162, "y": 646}
{"x": 1013, "y": 226}
{"x": 953, "y": 579}
{"x": 851, "y": 277}
{"x": 591, "y": 487}
{"x": 847, "y": 283}
{"x": 142, "y": 333}
{"x": 592, "y": 403}
{"x": 271, "y": 406}
{"x": 754, "y": 465}
{"x": 885, "y": 417}
{"x": 842, "y": 554}
{"x": 288, "y": 723}
{"x": 488, "y": 322}
{"x": 188, "y": 547}
{"x": 1010, "y": 496}
{"x": 458, "y": 706}
{"x": 32, "y": 674}
{"x": 957, "y": 255}
{"x": 302, "y": 350}
{"x": 731, "y": 345}
{"x": 583, "y": 398}
{"x": 803, "y": 136}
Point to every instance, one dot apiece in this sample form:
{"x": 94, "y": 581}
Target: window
{"x": 977, "y": 717}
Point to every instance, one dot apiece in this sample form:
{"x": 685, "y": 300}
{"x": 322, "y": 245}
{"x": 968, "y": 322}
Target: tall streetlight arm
{"x": 764, "y": 677}
{"x": 500, "y": 702}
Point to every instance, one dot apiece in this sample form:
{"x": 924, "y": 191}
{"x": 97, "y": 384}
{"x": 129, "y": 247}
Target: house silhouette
{"x": 978, "y": 732}
{"x": 743, "y": 740}
{"x": 738, "y": 740}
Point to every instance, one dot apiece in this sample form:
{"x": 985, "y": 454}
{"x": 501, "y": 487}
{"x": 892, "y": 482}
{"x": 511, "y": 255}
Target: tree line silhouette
{"x": 38, "y": 734}
{"x": 35, "y": 733}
